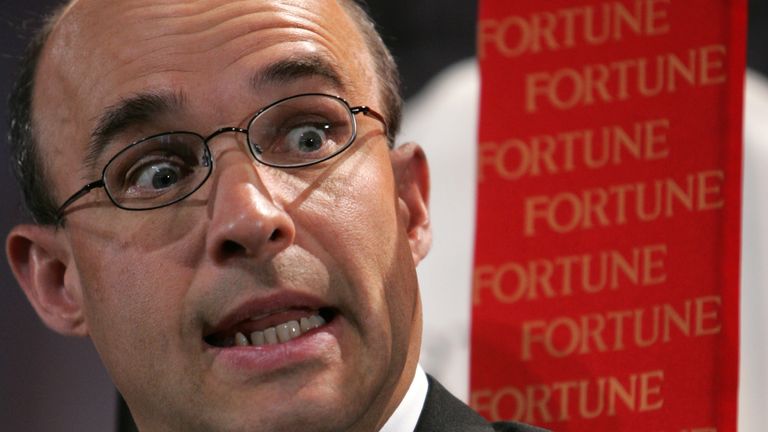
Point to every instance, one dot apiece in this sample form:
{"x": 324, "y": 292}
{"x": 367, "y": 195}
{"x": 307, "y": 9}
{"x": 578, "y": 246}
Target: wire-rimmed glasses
{"x": 163, "y": 169}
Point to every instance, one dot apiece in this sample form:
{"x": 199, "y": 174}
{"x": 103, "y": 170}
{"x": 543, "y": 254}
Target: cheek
{"x": 132, "y": 298}
{"x": 133, "y": 313}
{"x": 354, "y": 223}
{"x": 354, "y": 219}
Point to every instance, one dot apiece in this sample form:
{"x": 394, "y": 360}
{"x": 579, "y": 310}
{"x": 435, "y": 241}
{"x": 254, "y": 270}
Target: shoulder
{"x": 443, "y": 412}
{"x": 515, "y": 427}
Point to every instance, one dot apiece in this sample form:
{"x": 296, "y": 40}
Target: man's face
{"x": 164, "y": 292}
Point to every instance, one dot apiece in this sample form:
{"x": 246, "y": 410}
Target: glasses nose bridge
{"x": 228, "y": 129}
{"x": 224, "y": 130}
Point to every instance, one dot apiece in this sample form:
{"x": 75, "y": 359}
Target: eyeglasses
{"x": 160, "y": 170}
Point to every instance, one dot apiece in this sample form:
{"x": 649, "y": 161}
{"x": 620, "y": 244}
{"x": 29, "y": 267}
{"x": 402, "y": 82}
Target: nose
{"x": 245, "y": 219}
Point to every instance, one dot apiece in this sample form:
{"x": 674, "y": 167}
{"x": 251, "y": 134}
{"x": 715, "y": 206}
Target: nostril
{"x": 230, "y": 248}
{"x": 276, "y": 235}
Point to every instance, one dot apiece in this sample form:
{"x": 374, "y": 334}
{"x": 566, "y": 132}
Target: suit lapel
{"x": 444, "y": 413}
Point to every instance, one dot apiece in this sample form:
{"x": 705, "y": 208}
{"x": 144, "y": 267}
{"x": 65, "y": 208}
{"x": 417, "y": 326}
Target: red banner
{"x": 606, "y": 264}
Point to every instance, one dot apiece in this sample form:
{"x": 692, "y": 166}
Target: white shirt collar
{"x": 407, "y": 414}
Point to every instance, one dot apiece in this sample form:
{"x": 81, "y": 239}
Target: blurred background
{"x": 51, "y": 383}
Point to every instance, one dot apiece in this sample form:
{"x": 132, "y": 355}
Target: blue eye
{"x": 159, "y": 176}
{"x": 155, "y": 176}
{"x": 301, "y": 130}
{"x": 158, "y": 170}
{"x": 307, "y": 139}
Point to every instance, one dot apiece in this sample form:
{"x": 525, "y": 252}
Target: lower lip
{"x": 263, "y": 359}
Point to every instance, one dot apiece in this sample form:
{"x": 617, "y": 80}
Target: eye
{"x": 160, "y": 176}
{"x": 308, "y": 138}
{"x": 158, "y": 170}
{"x": 156, "y": 175}
{"x": 301, "y": 130}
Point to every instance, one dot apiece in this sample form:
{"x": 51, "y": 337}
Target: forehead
{"x": 122, "y": 29}
{"x": 101, "y": 39}
{"x": 103, "y": 51}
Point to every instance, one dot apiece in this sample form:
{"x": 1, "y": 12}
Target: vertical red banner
{"x": 607, "y": 253}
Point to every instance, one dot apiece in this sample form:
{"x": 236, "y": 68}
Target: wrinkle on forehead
{"x": 140, "y": 32}
{"x": 101, "y": 50}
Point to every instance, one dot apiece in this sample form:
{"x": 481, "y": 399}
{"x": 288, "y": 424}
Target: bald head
{"x": 30, "y": 161}
{"x": 174, "y": 104}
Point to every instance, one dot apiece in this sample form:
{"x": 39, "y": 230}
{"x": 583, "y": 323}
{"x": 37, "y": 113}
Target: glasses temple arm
{"x": 368, "y": 112}
{"x": 77, "y": 195}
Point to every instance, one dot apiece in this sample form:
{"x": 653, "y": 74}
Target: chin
{"x": 300, "y": 414}
{"x": 291, "y": 405}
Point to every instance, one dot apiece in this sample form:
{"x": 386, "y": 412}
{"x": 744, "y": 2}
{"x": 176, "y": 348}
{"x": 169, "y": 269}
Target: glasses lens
{"x": 157, "y": 171}
{"x": 301, "y": 130}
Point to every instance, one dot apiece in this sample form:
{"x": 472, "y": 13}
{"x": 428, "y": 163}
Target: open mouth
{"x": 272, "y": 329}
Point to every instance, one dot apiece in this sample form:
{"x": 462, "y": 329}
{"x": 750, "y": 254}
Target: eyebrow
{"x": 145, "y": 107}
{"x": 292, "y": 69}
{"x": 129, "y": 112}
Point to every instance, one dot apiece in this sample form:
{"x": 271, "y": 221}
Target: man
{"x": 221, "y": 210}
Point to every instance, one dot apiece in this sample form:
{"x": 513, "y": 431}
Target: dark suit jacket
{"x": 444, "y": 413}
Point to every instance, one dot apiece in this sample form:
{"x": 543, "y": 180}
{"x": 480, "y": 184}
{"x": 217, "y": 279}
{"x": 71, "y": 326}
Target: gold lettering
{"x": 712, "y": 68}
{"x": 588, "y": 25}
{"x": 624, "y": 18}
{"x": 651, "y": 263}
{"x": 640, "y": 340}
{"x": 593, "y": 333}
{"x": 532, "y": 211}
{"x": 480, "y": 400}
{"x": 529, "y": 337}
{"x": 644, "y": 77}
{"x": 617, "y": 391}
{"x": 537, "y": 397}
{"x": 656, "y": 21}
{"x": 540, "y": 272}
{"x": 543, "y": 151}
{"x": 650, "y": 391}
{"x": 682, "y": 196}
{"x": 599, "y": 399}
{"x": 679, "y": 68}
{"x": 544, "y": 25}
{"x": 595, "y": 201}
{"x": 562, "y": 276}
{"x": 618, "y": 318}
{"x": 707, "y": 315}
{"x": 486, "y": 33}
{"x": 710, "y": 190}
{"x": 656, "y": 131}
{"x": 506, "y": 393}
{"x": 564, "y": 336}
{"x": 487, "y": 156}
{"x": 567, "y": 88}
{"x": 482, "y": 278}
{"x": 570, "y": 329}
{"x": 629, "y": 269}
{"x": 555, "y": 401}
{"x": 564, "y": 152}
{"x": 681, "y": 321}
{"x": 500, "y": 280}
{"x": 562, "y": 389}
{"x": 565, "y": 212}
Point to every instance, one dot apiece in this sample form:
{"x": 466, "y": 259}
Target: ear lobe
{"x": 412, "y": 176}
{"x": 40, "y": 263}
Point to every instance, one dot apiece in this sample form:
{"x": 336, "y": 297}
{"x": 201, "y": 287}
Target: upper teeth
{"x": 280, "y": 333}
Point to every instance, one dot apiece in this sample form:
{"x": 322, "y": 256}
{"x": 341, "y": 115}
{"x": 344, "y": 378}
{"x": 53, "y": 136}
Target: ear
{"x": 412, "y": 180}
{"x": 41, "y": 262}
